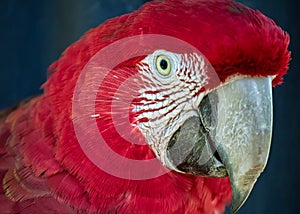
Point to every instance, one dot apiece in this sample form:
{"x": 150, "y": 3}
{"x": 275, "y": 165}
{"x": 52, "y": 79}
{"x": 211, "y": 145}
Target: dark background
{"x": 34, "y": 33}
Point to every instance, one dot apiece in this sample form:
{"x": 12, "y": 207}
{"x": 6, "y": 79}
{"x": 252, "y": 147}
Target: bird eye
{"x": 163, "y": 65}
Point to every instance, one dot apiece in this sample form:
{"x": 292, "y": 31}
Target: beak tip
{"x": 234, "y": 209}
{"x": 239, "y": 197}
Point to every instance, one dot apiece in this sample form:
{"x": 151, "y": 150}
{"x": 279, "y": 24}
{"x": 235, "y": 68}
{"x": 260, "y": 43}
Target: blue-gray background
{"x": 34, "y": 33}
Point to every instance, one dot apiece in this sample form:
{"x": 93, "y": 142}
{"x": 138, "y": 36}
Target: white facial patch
{"x": 168, "y": 98}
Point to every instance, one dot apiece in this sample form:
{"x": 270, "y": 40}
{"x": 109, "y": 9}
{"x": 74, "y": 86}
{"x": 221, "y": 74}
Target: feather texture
{"x": 43, "y": 168}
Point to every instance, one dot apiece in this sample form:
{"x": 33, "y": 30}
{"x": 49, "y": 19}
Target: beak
{"x": 231, "y": 136}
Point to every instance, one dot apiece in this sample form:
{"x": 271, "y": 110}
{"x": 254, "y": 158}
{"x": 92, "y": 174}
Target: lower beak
{"x": 231, "y": 136}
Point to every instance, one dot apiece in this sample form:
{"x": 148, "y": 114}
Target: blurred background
{"x": 35, "y": 33}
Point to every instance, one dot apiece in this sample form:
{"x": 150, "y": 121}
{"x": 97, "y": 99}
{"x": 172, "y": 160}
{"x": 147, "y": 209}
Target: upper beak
{"x": 231, "y": 136}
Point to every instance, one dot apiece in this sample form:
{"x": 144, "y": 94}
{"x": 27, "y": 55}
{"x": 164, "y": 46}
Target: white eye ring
{"x": 163, "y": 65}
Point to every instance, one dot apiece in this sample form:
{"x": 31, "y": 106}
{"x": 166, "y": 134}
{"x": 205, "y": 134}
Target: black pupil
{"x": 163, "y": 64}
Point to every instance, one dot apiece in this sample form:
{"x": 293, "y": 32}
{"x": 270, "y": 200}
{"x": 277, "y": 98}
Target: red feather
{"x": 42, "y": 165}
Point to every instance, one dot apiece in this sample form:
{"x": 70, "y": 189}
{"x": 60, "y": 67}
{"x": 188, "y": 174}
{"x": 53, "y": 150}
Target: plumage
{"x": 43, "y": 168}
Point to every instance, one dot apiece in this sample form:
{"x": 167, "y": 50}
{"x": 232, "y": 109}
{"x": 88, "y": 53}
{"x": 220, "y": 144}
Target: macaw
{"x": 185, "y": 130}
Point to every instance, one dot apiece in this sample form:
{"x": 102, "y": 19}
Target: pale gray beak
{"x": 231, "y": 136}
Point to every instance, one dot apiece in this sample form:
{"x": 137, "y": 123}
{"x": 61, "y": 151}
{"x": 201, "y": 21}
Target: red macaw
{"x": 203, "y": 114}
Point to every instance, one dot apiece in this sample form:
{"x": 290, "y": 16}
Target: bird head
{"x": 205, "y": 110}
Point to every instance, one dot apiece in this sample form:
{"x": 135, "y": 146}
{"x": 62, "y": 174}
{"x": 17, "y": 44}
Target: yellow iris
{"x": 163, "y": 65}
